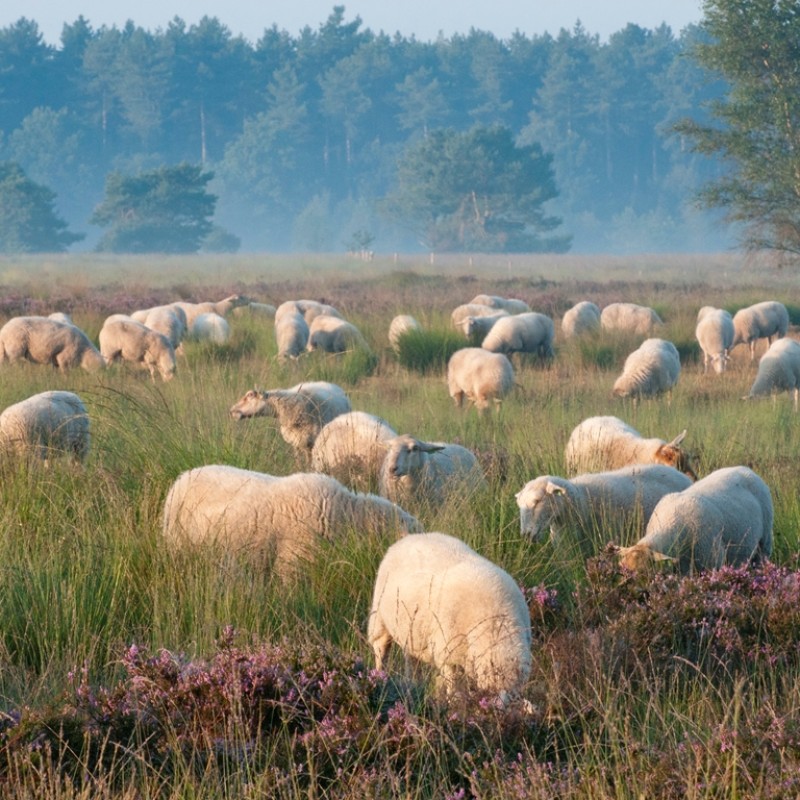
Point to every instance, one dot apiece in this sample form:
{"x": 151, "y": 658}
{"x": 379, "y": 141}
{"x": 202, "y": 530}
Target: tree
{"x": 755, "y": 46}
{"x": 28, "y": 221}
{"x": 476, "y": 191}
{"x": 167, "y": 210}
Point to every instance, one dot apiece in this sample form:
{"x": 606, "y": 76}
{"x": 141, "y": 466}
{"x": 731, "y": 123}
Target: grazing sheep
{"x": 779, "y": 371}
{"x": 650, "y": 370}
{"x": 427, "y": 472}
{"x": 725, "y": 518}
{"x": 766, "y": 320}
{"x": 629, "y": 318}
{"x": 221, "y": 307}
{"x": 256, "y": 310}
{"x": 714, "y": 333}
{"x": 478, "y": 327}
{"x": 170, "y": 321}
{"x": 124, "y": 339}
{"x": 46, "y": 341}
{"x": 619, "y": 500}
{"x": 334, "y": 335}
{"x": 302, "y": 410}
{"x": 399, "y": 326}
{"x": 521, "y": 333}
{"x": 291, "y": 334}
{"x": 45, "y": 425}
{"x": 508, "y": 304}
{"x": 211, "y": 327}
{"x": 283, "y": 518}
{"x": 460, "y": 313}
{"x": 480, "y": 376}
{"x": 60, "y": 316}
{"x": 583, "y": 317}
{"x": 608, "y": 443}
{"x": 443, "y": 604}
{"x": 309, "y": 309}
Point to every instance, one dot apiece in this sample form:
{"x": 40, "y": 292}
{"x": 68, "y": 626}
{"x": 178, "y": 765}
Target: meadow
{"x": 129, "y": 670}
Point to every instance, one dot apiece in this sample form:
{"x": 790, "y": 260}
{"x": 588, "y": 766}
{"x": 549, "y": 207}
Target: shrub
{"x": 428, "y": 351}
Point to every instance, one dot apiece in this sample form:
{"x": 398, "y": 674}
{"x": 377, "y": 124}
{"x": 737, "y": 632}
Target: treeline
{"x": 304, "y": 133}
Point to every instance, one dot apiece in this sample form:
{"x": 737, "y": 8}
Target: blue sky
{"x": 423, "y": 18}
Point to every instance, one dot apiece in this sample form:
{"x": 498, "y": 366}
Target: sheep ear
{"x": 430, "y": 448}
{"x": 678, "y": 439}
{"x": 661, "y": 557}
{"x": 554, "y": 488}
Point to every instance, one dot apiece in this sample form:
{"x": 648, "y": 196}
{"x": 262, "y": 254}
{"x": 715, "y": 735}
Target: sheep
{"x": 302, "y": 410}
{"x": 778, "y": 371}
{"x": 583, "y": 317}
{"x": 480, "y": 376}
{"x": 460, "y": 313}
{"x": 650, "y": 370}
{"x": 622, "y": 499}
{"x": 521, "y": 333}
{"x": 629, "y": 318}
{"x": 334, "y": 335}
{"x": 351, "y": 448}
{"x": 284, "y": 519}
{"x": 60, "y": 316}
{"x": 608, "y": 443}
{"x": 46, "y": 424}
{"x": 715, "y": 334}
{"x": 308, "y": 309}
{"x": 724, "y": 519}
{"x": 476, "y": 328}
{"x": 399, "y": 326}
{"x": 221, "y": 307}
{"x": 211, "y": 327}
{"x": 170, "y": 321}
{"x": 124, "y": 339}
{"x": 414, "y": 471}
{"x": 47, "y": 341}
{"x": 291, "y": 334}
{"x": 444, "y": 605}
{"x": 255, "y": 309}
{"x": 510, "y": 305}
{"x": 766, "y": 320}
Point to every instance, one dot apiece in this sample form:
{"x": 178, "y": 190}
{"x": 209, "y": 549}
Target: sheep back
{"x": 650, "y": 370}
{"x": 479, "y": 376}
{"x": 521, "y": 333}
{"x": 714, "y": 333}
{"x": 583, "y": 317}
{"x": 42, "y": 340}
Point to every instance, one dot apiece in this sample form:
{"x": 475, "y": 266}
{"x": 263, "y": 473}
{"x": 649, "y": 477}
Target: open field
{"x": 131, "y": 671}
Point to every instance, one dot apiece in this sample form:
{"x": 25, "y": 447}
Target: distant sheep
{"x": 308, "y": 309}
{"x": 211, "y": 327}
{"x": 629, "y": 318}
{"x": 221, "y": 307}
{"x": 479, "y": 376}
{"x": 444, "y": 605}
{"x": 650, "y": 370}
{"x": 256, "y": 310}
{"x": 583, "y": 317}
{"x": 124, "y": 339}
{"x": 47, "y": 341}
{"x": 521, "y": 333}
{"x": 779, "y": 371}
{"x": 715, "y": 334}
{"x": 767, "y": 320}
{"x": 508, "y": 304}
{"x": 334, "y": 335}
{"x": 399, "y": 326}
{"x": 460, "y": 313}
{"x": 291, "y": 334}
{"x": 476, "y": 328}
{"x": 170, "y": 321}
{"x": 725, "y": 518}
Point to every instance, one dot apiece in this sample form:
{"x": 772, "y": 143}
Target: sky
{"x": 424, "y": 19}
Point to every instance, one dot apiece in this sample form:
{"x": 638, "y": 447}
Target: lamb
{"x": 725, "y": 518}
{"x": 608, "y": 443}
{"x": 480, "y": 376}
{"x": 766, "y": 320}
{"x": 46, "y": 424}
{"x": 414, "y": 471}
{"x": 302, "y": 410}
{"x": 211, "y": 327}
{"x": 284, "y": 519}
{"x": 621, "y": 500}
{"x": 46, "y": 341}
{"x": 715, "y": 334}
{"x": 334, "y": 335}
{"x": 476, "y": 328}
{"x": 124, "y": 339}
{"x": 650, "y": 370}
{"x": 510, "y": 305}
{"x": 291, "y": 334}
{"x": 446, "y": 606}
{"x": 583, "y": 317}
{"x": 399, "y": 326}
{"x": 629, "y": 318}
{"x": 521, "y": 333}
{"x": 779, "y": 371}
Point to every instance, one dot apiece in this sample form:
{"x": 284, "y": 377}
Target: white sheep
{"x": 61, "y": 316}
{"x": 45, "y": 425}
{"x": 476, "y": 328}
{"x": 170, "y": 321}
{"x": 334, "y": 335}
{"x": 284, "y": 519}
{"x": 521, "y": 333}
{"x": 575, "y": 510}
{"x": 124, "y": 339}
{"x": 479, "y": 376}
{"x": 715, "y": 334}
{"x": 629, "y": 318}
{"x": 460, "y": 313}
{"x": 779, "y": 371}
{"x": 652, "y": 369}
{"x": 416, "y": 472}
{"x": 256, "y": 310}
{"x": 583, "y": 317}
{"x": 725, "y": 518}
{"x": 399, "y": 326}
{"x": 766, "y": 320}
{"x": 291, "y": 334}
{"x": 221, "y": 307}
{"x": 211, "y": 327}
{"x": 607, "y": 443}
{"x": 302, "y": 410}
{"x": 444, "y": 605}
{"x": 508, "y": 304}
{"x": 309, "y": 309}
{"x": 46, "y": 341}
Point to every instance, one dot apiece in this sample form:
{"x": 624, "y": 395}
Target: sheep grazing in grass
{"x": 308, "y": 309}
{"x": 583, "y": 317}
{"x": 724, "y": 519}
{"x": 334, "y": 335}
{"x": 282, "y": 519}
{"x": 521, "y": 333}
{"x": 476, "y": 328}
{"x": 170, "y": 321}
{"x": 650, "y": 370}
{"x": 399, "y": 327}
{"x": 124, "y": 339}
{"x": 444, "y": 605}
{"x": 460, "y": 313}
{"x": 509, "y": 304}
{"x": 302, "y": 410}
{"x": 479, "y": 376}
{"x": 46, "y": 341}
{"x": 45, "y": 425}
{"x": 607, "y": 443}
{"x": 256, "y": 310}
{"x": 221, "y": 307}
{"x": 211, "y": 327}
{"x": 581, "y": 508}
{"x": 715, "y": 334}
{"x": 629, "y": 318}
{"x": 291, "y": 334}
{"x": 767, "y": 320}
{"x": 778, "y": 371}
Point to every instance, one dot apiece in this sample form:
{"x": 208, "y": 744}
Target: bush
{"x": 428, "y": 351}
